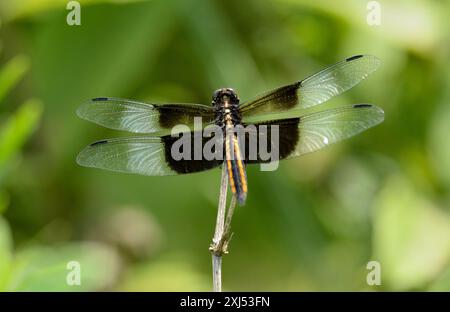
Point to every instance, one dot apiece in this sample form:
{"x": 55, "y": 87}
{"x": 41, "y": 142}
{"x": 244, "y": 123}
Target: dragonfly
{"x": 300, "y": 130}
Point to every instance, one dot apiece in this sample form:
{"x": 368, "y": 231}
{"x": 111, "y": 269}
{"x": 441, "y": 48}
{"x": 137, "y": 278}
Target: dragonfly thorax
{"x": 225, "y": 93}
{"x": 226, "y": 105}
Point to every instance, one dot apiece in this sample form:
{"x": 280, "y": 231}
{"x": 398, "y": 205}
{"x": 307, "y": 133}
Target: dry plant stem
{"x": 222, "y": 233}
{"x": 217, "y": 273}
{"x": 220, "y": 221}
{"x": 217, "y": 258}
{"x": 227, "y": 227}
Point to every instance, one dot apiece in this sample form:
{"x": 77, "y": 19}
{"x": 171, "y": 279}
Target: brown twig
{"x": 222, "y": 233}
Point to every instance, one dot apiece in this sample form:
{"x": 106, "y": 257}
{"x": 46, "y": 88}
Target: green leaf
{"x": 12, "y": 73}
{"x": 411, "y": 236}
{"x": 17, "y": 129}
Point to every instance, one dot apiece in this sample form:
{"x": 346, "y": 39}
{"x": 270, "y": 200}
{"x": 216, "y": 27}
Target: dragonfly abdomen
{"x": 236, "y": 168}
{"x": 226, "y": 104}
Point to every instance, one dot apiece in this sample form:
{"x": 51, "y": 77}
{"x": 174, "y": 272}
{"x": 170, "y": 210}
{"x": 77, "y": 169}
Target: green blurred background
{"x": 314, "y": 224}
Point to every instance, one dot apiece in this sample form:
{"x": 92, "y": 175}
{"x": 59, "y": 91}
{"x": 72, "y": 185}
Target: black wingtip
{"x": 361, "y": 105}
{"x": 99, "y": 142}
{"x": 354, "y": 57}
{"x": 100, "y": 99}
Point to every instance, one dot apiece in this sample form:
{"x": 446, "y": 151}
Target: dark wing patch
{"x": 288, "y": 133}
{"x": 171, "y": 115}
{"x": 188, "y": 165}
{"x": 280, "y": 99}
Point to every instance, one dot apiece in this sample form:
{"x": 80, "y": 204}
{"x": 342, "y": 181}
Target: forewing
{"x": 139, "y": 117}
{"x": 313, "y": 90}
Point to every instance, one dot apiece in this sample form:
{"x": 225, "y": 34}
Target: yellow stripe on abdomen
{"x": 229, "y": 166}
{"x": 240, "y": 164}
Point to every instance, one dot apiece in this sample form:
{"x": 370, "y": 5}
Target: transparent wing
{"x": 313, "y": 90}
{"x": 145, "y": 156}
{"x": 138, "y": 117}
{"x": 336, "y": 79}
{"x": 321, "y": 129}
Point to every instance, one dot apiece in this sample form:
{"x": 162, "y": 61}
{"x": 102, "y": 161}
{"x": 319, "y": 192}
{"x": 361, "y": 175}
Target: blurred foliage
{"x": 313, "y": 224}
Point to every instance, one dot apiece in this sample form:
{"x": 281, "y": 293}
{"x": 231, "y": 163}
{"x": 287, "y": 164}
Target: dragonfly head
{"x": 225, "y": 94}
